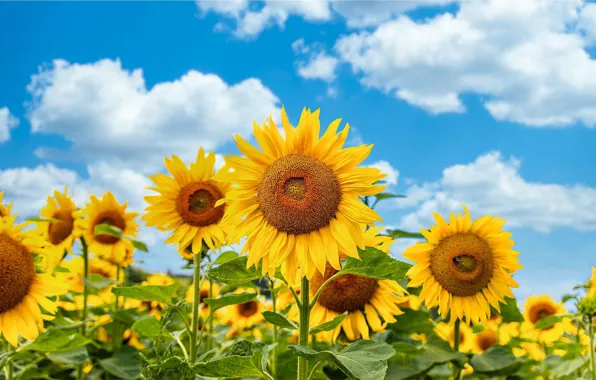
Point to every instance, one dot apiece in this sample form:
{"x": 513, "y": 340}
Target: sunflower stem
{"x": 196, "y": 304}
{"x": 274, "y": 357}
{"x": 210, "y": 342}
{"x": 8, "y": 366}
{"x": 593, "y": 362}
{"x": 85, "y": 253}
{"x": 456, "y": 335}
{"x": 304, "y": 327}
{"x": 116, "y": 339}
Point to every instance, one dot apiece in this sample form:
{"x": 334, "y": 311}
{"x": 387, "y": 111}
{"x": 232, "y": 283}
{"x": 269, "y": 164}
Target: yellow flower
{"x": 4, "y": 209}
{"x": 186, "y": 203}
{"x": 592, "y": 283}
{"x": 62, "y": 234}
{"x": 410, "y": 301}
{"x": 537, "y": 308}
{"x": 371, "y": 304}
{"x": 245, "y": 315}
{"x": 447, "y": 332}
{"x": 22, "y": 289}
{"x": 297, "y": 199}
{"x": 204, "y": 293}
{"x": 76, "y": 271}
{"x": 485, "y": 339}
{"x": 107, "y": 210}
{"x": 464, "y": 267}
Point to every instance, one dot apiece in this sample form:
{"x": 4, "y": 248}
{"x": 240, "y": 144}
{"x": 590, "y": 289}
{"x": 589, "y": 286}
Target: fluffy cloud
{"x": 520, "y": 55}
{"x": 587, "y": 23}
{"x": 319, "y": 66}
{"x": 493, "y": 185}
{"x": 109, "y": 114}
{"x": 7, "y": 122}
{"x": 386, "y": 168}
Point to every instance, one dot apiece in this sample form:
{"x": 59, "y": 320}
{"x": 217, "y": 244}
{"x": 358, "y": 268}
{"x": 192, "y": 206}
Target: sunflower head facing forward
{"x": 22, "y": 289}
{"x": 464, "y": 267}
{"x": 537, "y": 308}
{"x": 297, "y": 197}
{"x": 187, "y": 204}
{"x": 107, "y": 210}
{"x": 62, "y": 233}
{"x": 246, "y": 315}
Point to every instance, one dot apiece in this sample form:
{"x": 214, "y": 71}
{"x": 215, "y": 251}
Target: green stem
{"x": 210, "y": 342}
{"x": 85, "y": 253}
{"x": 8, "y": 365}
{"x": 456, "y": 335}
{"x": 196, "y": 304}
{"x": 116, "y": 340}
{"x": 304, "y": 327}
{"x": 274, "y": 357}
{"x": 591, "y": 329}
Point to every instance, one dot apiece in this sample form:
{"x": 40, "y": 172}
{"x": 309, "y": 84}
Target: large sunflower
{"x": 4, "y": 208}
{"x": 537, "y": 308}
{"x": 369, "y": 302}
{"x": 464, "y": 267}
{"x": 298, "y": 197}
{"x": 186, "y": 203}
{"x": 107, "y": 210}
{"x": 61, "y": 234}
{"x": 23, "y": 291}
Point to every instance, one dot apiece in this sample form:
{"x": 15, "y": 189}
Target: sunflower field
{"x": 312, "y": 294}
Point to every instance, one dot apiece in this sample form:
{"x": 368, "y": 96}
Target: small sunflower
{"x": 186, "y": 203}
{"x": 107, "y": 210}
{"x": 369, "y": 302}
{"x": 297, "y": 199}
{"x": 4, "y": 208}
{"x": 61, "y": 234}
{"x": 23, "y": 291}
{"x": 204, "y": 293}
{"x": 464, "y": 267}
{"x": 246, "y": 315}
{"x": 537, "y": 308}
{"x": 447, "y": 332}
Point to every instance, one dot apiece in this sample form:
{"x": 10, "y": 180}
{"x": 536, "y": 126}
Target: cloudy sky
{"x": 489, "y": 103}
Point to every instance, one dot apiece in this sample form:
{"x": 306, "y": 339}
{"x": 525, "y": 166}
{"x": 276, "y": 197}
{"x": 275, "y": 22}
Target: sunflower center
{"x": 59, "y": 231}
{"x": 100, "y": 271}
{"x": 486, "y": 339}
{"x": 17, "y": 272}
{"x": 541, "y": 311}
{"x": 196, "y": 204}
{"x": 248, "y": 309}
{"x": 299, "y": 194}
{"x": 202, "y": 295}
{"x": 346, "y": 293}
{"x": 112, "y": 218}
{"x": 462, "y": 264}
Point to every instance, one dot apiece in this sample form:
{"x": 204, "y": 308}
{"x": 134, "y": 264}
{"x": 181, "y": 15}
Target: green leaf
{"x": 162, "y": 294}
{"x": 376, "y": 264}
{"x": 440, "y": 352}
{"x": 234, "y": 272}
{"x": 361, "y": 360}
{"x": 279, "y": 320}
{"x": 125, "y": 316}
{"x": 510, "y": 311}
{"x": 74, "y": 357}
{"x": 382, "y": 196}
{"x": 496, "y": 361}
{"x": 56, "y": 340}
{"x": 107, "y": 229}
{"x": 149, "y": 327}
{"x": 229, "y": 299}
{"x": 41, "y": 220}
{"x": 548, "y": 321}
{"x": 329, "y": 325}
{"x": 477, "y": 329}
{"x": 224, "y": 257}
{"x": 399, "y": 234}
{"x": 139, "y": 245}
{"x": 567, "y": 367}
{"x": 98, "y": 282}
{"x": 126, "y": 364}
{"x": 413, "y": 321}
{"x": 245, "y": 359}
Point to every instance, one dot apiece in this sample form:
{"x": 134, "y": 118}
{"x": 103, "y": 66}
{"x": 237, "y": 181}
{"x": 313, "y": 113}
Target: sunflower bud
{"x": 587, "y": 306}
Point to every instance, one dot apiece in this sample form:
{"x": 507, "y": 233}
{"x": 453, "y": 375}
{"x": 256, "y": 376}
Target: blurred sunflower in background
{"x": 22, "y": 289}
{"x": 370, "y": 303}
{"x": 297, "y": 198}
{"x": 244, "y": 316}
{"x": 591, "y": 284}
{"x": 76, "y": 271}
{"x": 152, "y": 308}
{"x": 446, "y": 331}
{"x": 464, "y": 267}
{"x": 4, "y": 208}
{"x": 186, "y": 204}
{"x": 204, "y": 293}
{"x": 537, "y": 308}
{"x": 107, "y": 210}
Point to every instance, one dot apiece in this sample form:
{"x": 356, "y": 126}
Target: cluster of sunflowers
{"x": 314, "y": 293}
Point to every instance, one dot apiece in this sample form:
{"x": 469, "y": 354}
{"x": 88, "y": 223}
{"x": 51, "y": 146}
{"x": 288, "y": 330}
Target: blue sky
{"x": 478, "y": 103}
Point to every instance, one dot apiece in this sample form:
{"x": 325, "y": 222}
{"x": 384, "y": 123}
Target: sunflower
{"x": 204, "y": 293}
{"x": 591, "y": 283}
{"x": 297, "y": 199}
{"x": 62, "y": 233}
{"x": 446, "y": 331}
{"x": 186, "y": 203}
{"x": 366, "y": 300}
{"x": 464, "y": 267}
{"x": 246, "y": 315}
{"x": 537, "y": 308}
{"x": 410, "y": 301}
{"x": 76, "y": 271}
{"x": 23, "y": 291}
{"x": 485, "y": 339}
{"x": 4, "y": 209}
{"x": 151, "y": 307}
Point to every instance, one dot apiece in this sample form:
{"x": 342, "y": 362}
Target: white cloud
{"x": 521, "y": 55}
{"x": 109, "y": 114}
{"x": 587, "y": 23}
{"x": 7, "y": 122}
{"x": 493, "y": 185}
{"x": 319, "y": 66}
{"x": 386, "y": 168}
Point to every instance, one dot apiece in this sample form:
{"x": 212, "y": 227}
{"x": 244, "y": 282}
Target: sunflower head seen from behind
{"x": 108, "y": 211}
{"x": 186, "y": 203}
{"x": 464, "y": 267}
{"x": 62, "y": 233}
{"x": 297, "y": 197}
{"x": 23, "y": 291}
